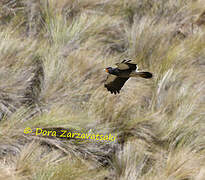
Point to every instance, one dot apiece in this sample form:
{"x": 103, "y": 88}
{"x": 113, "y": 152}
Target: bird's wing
{"x": 125, "y": 65}
{"x": 114, "y": 83}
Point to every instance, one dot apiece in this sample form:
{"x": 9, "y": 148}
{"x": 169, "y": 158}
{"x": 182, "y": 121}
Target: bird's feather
{"x": 146, "y": 75}
{"x": 114, "y": 83}
{"x": 125, "y": 65}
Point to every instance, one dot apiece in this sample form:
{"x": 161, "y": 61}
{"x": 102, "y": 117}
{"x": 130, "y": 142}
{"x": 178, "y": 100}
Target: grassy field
{"x": 52, "y": 56}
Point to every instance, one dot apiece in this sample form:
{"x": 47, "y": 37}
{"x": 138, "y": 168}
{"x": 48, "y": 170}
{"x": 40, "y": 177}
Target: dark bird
{"x": 118, "y": 76}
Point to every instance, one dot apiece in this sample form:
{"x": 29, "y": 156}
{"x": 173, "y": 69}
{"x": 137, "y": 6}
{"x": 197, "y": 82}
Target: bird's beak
{"x": 106, "y": 70}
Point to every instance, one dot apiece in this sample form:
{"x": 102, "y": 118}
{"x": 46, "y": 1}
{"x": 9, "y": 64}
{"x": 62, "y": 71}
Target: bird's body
{"x": 119, "y": 73}
{"x": 118, "y": 76}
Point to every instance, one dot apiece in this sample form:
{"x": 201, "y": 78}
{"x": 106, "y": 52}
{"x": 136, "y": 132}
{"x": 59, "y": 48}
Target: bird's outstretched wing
{"x": 114, "y": 83}
{"x": 125, "y": 65}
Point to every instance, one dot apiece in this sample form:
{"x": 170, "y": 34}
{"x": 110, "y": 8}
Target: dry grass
{"x": 52, "y": 55}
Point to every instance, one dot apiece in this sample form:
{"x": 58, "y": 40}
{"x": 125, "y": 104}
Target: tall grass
{"x": 52, "y": 56}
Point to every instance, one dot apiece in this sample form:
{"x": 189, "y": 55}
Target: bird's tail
{"x": 146, "y": 75}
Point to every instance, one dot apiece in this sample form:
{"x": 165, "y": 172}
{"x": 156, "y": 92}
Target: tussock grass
{"x": 52, "y": 56}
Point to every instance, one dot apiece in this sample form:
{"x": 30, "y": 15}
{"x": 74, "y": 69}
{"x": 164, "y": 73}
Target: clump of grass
{"x": 52, "y": 58}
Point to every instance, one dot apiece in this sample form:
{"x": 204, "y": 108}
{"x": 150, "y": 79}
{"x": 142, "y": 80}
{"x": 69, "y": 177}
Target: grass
{"x": 52, "y": 56}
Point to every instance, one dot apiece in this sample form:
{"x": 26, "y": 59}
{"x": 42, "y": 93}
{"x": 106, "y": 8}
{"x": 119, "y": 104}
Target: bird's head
{"x": 108, "y": 70}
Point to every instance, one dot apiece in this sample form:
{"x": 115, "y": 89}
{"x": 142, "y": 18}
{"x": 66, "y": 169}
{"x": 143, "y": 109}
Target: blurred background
{"x": 52, "y": 56}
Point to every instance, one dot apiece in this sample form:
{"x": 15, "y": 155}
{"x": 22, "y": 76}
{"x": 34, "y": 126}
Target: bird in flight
{"x": 118, "y": 76}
